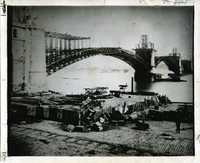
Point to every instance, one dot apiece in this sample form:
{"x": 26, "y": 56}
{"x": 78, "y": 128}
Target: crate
{"x": 71, "y": 117}
{"x": 46, "y": 112}
{"x": 53, "y": 113}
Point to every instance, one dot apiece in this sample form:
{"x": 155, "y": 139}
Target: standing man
{"x": 178, "y": 122}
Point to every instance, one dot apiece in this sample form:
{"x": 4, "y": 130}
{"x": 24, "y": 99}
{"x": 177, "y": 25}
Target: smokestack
{"x": 131, "y": 84}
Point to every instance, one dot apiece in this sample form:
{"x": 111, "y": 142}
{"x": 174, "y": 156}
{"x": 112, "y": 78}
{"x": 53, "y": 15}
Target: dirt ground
{"x": 46, "y": 138}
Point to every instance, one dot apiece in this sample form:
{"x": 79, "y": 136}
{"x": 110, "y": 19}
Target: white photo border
{"x": 4, "y": 79}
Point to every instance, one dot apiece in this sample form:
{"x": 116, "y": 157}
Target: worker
{"x": 178, "y": 123}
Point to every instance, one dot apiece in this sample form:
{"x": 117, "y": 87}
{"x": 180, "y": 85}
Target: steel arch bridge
{"x": 63, "y": 50}
{"x": 60, "y": 59}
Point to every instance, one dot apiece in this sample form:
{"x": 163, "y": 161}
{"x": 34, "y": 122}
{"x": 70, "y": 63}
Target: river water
{"x": 110, "y": 72}
{"x": 176, "y": 91}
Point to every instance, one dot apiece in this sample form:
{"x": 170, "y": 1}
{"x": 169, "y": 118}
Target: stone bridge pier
{"x": 146, "y": 51}
{"x": 142, "y": 75}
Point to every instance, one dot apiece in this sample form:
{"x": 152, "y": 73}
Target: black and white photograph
{"x": 108, "y": 81}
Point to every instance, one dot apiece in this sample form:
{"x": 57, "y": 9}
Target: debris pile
{"x": 83, "y": 113}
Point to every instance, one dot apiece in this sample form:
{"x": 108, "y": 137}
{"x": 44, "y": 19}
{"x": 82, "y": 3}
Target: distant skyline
{"x": 123, "y": 26}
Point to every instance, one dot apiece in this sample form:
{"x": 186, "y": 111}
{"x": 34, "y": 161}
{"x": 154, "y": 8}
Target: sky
{"x": 123, "y": 26}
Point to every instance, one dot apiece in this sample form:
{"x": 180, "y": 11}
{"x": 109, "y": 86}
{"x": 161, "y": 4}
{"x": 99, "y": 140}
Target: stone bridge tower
{"x": 27, "y": 54}
{"x": 145, "y": 50}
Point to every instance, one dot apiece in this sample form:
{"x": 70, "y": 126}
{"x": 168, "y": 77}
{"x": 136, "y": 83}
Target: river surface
{"x": 110, "y": 72}
{"x": 176, "y": 91}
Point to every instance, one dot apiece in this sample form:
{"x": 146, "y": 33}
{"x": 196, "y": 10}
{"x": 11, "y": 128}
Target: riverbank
{"x": 55, "y": 125}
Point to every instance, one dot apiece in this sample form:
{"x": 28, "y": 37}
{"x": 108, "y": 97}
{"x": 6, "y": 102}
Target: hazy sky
{"x": 167, "y": 27}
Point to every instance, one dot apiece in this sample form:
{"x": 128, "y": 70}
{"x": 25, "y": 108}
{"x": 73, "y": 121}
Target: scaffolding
{"x": 61, "y": 49}
{"x": 145, "y": 43}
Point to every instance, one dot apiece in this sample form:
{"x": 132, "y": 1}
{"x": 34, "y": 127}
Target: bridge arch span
{"x": 172, "y": 62}
{"x": 69, "y": 57}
